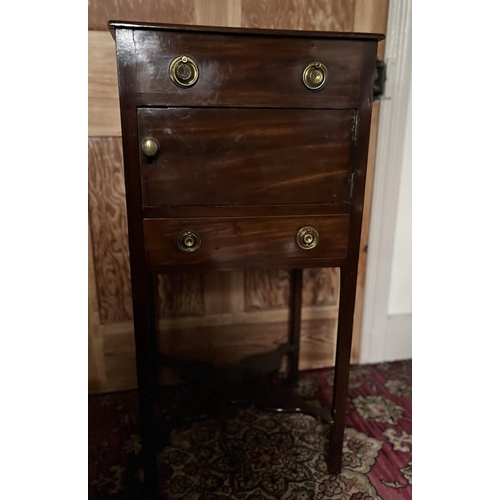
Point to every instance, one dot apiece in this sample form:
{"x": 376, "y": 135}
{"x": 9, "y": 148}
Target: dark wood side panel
{"x": 250, "y": 240}
{"x": 246, "y": 156}
{"x": 246, "y": 70}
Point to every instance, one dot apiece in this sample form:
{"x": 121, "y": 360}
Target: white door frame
{"x": 388, "y": 163}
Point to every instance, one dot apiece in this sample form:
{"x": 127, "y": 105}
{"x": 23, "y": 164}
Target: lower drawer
{"x": 216, "y": 242}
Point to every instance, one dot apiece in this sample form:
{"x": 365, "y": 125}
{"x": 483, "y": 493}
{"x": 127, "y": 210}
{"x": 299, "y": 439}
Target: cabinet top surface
{"x": 114, "y": 25}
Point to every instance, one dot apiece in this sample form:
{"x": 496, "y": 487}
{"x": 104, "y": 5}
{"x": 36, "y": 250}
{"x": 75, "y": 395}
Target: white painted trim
{"x": 388, "y": 163}
{"x": 397, "y": 338}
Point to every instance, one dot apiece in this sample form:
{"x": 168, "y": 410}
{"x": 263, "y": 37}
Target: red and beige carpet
{"x": 255, "y": 455}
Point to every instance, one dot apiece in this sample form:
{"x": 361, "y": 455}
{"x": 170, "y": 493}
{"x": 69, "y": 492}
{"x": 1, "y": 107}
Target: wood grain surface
{"x": 224, "y": 345}
{"x": 320, "y": 15}
{"x": 224, "y": 292}
{"x": 240, "y": 71}
{"x": 321, "y": 287}
{"x": 161, "y": 11}
{"x": 260, "y": 154}
{"x": 227, "y": 319}
{"x": 266, "y": 289}
{"x": 246, "y": 242}
{"x": 108, "y": 220}
{"x": 181, "y": 295}
{"x": 218, "y": 12}
{"x": 370, "y": 16}
{"x": 269, "y": 289}
{"x": 103, "y": 103}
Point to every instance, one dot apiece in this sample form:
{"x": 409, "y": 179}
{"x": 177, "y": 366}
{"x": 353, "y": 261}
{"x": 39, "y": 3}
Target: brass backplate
{"x": 188, "y": 240}
{"x": 307, "y": 237}
{"x": 315, "y": 76}
{"x": 184, "y": 71}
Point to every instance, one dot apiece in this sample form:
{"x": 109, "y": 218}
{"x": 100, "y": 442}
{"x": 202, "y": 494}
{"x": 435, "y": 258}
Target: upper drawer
{"x": 247, "y": 70}
{"x": 246, "y": 156}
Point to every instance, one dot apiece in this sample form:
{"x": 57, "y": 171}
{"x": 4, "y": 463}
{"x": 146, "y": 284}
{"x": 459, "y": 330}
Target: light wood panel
{"x": 224, "y": 292}
{"x": 158, "y": 11}
{"x": 222, "y": 345}
{"x": 266, "y": 289}
{"x": 370, "y": 16}
{"x": 103, "y": 103}
{"x": 108, "y": 219}
{"x": 320, "y": 287}
{"x": 270, "y": 289}
{"x": 181, "y": 295}
{"x": 323, "y": 15}
{"x": 218, "y": 12}
{"x": 227, "y": 319}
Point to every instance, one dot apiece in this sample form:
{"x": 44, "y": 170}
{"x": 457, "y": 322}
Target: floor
{"x": 249, "y": 454}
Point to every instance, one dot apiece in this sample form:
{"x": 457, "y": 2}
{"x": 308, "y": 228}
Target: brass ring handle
{"x": 315, "y": 76}
{"x": 307, "y": 237}
{"x": 188, "y": 240}
{"x": 184, "y": 71}
{"x": 150, "y": 147}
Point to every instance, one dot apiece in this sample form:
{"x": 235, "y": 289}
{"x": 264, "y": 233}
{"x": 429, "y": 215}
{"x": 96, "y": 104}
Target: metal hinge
{"x": 355, "y": 129}
{"x": 379, "y": 81}
{"x": 351, "y": 186}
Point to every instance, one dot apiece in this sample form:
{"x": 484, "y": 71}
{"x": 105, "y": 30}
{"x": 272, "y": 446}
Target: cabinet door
{"x": 238, "y": 156}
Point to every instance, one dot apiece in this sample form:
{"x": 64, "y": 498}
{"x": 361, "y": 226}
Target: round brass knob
{"x": 150, "y": 147}
{"x": 188, "y": 240}
{"x": 183, "y": 71}
{"x": 307, "y": 238}
{"x": 315, "y": 76}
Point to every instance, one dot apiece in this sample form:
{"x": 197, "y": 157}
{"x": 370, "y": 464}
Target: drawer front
{"x": 235, "y": 70}
{"x": 245, "y": 241}
{"x": 246, "y": 156}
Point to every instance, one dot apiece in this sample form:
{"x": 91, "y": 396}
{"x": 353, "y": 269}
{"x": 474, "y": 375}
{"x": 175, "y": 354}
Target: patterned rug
{"x": 249, "y": 454}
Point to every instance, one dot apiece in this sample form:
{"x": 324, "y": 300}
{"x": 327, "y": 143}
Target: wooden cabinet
{"x": 243, "y": 312}
{"x": 239, "y": 120}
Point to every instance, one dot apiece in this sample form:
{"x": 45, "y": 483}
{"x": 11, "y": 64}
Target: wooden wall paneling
{"x": 370, "y": 16}
{"x": 103, "y": 104}
{"x": 266, "y": 289}
{"x": 269, "y": 289}
{"x": 218, "y": 12}
{"x": 120, "y": 371}
{"x": 222, "y": 345}
{"x": 321, "y": 287}
{"x": 226, "y": 319}
{"x": 158, "y": 11}
{"x": 317, "y": 343}
{"x": 323, "y": 15}
{"x": 181, "y": 295}
{"x": 108, "y": 221}
{"x": 224, "y": 292}
{"x": 97, "y": 374}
